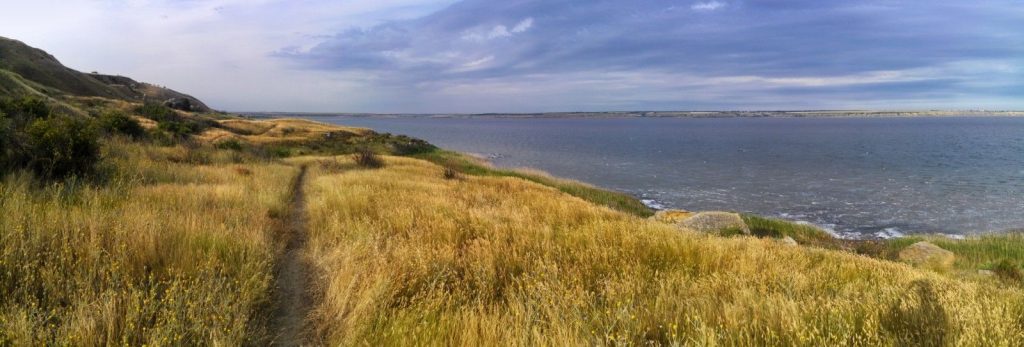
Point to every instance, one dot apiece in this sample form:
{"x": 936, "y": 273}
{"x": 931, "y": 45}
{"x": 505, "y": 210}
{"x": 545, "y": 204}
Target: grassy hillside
{"x": 184, "y": 231}
{"x": 51, "y": 77}
{"x": 405, "y": 256}
{"x": 175, "y": 249}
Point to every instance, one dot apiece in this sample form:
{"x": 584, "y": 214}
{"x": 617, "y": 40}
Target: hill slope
{"x": 38, "y": 66}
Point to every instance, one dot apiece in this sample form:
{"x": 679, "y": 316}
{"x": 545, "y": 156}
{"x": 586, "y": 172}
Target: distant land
{"x": 666, "y": 114}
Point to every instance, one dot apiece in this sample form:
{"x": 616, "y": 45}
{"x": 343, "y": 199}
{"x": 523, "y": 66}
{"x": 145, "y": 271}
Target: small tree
{"x": 62, "y": 146}
{"x": 119, "y": 123}
{"x": 365, "y": 157}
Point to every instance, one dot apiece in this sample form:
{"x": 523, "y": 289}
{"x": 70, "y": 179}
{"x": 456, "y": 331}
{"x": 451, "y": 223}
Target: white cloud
{"x": 707, "y": 6}
{"x": 498, "y": 31}
{"x": 523, "y": 26}
{"x": 217, "y": 50}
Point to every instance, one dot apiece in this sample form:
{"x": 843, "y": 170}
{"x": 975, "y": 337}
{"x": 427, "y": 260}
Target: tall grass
{"x": 467, "y": 165}
{"x": 974, "y": 252}
{"x": 170, "y": 252}
{"x": 404, "y": 256}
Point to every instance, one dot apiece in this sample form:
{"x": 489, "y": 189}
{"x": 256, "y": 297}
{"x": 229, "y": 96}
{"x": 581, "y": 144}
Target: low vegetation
{"x": 123, "y": 224}
{"x": 368, "y": 158}
{"x": 406, "y": 257}
{"x": 52, "y": 145}
{"x": 471, "y": 166}
{"x": 186, "y": 260}
{"x": 1000, "y": 253}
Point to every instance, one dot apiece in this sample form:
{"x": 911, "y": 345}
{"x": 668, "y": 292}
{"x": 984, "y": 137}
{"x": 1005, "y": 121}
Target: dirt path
{"x": 291, "y": 296}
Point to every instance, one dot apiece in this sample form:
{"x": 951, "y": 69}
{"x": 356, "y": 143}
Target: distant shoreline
{"x": 662, "y": 114}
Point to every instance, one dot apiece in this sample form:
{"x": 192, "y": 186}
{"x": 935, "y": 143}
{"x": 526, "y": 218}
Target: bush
{"x": 157, "y": 112}
{"x": 1008, "y": 271}
{"x": 179, "y": 129}
{"x": 171, "y": 122}
{"x": 7, "y": 142}
{"x": 451, "y": 174}
{"x": 62, "y": 146}
{"x": 230, "y": 144}
{"x": 366, "y": 157}
{"x": 802, "y": 233}
{"x": 26, "y": 108}
{"x": 120, "y": 123}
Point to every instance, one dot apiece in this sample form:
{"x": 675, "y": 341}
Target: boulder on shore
{"x": 789, "y": 241}
{"x": 716, "y": 222}
{"x": 671, "y": 216}
{"x": 925, "y": 254}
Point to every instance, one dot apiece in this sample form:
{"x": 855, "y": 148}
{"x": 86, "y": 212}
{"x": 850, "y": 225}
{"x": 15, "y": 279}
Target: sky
{"x": 473, "y": 56}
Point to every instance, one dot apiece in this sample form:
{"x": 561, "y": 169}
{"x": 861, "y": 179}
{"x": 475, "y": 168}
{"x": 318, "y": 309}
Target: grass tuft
{"x": 367, "y": 158}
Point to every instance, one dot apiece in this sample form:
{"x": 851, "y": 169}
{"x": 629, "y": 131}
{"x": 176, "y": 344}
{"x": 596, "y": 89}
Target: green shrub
{"x": 230, "y": 144}
{"x": 366, "y": 157}
{"x": 171, "y": 122}
{"x": 157, "y": 112}
{"x": 120, "y": 123}
{"x": 62, "y": 146}
{"x": 7, "y": 143}
{"x": 26, "y": 108}
{"x": 451, "y": 174}
{"x": 802, "y": 233}
{"x": 1008, "y": 271}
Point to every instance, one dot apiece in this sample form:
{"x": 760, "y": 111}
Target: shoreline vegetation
{"x": 668, "y": 114}
{"x": 171, "y": 238}
{"x": 132, "y": 222}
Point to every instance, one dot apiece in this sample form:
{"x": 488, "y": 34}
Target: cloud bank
{"x": 562, "y": 55}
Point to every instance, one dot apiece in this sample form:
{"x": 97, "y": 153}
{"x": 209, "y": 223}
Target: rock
{"x": 788, "y": 241}
{"x": 716, "y": 222}
{"x": 986, "y": 273}
{"x": 671, "y": 216}
{"x": 183, "y": 104}
{"x": 928, "y": 255}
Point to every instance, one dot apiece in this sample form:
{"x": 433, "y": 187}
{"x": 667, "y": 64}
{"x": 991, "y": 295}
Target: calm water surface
{"x": 856, "y": 176}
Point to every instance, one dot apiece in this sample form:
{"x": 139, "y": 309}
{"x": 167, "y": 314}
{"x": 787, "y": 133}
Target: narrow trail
{"x": 291, "y": 297}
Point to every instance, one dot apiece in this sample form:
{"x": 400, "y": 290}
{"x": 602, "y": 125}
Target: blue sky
{"x": 428, "y": 56}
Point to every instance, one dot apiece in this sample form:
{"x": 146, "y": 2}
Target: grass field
{"x": 178, "y": 244}
{"x": 405, "y": 256}
{"x": 176, "y": 249}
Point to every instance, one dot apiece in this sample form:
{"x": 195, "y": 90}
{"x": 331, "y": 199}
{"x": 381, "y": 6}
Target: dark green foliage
{"x": 156, "y": 112}
{"x": 277, "y": 152}
{"x": 919, "y": 320}
{"x": 181, "y": 128}
{"x": 1008, "y": 271}
{"x": 230, "y": 144}
{"x": 119, "y": 123}
{"x": 53, "y": 146}
{"x": 26, "y": 109}
{"x": 367, "y": 158}
{"x": 169, "y": 121}
{"x": 7, "y": 141}
{"x": 62, "y": 146}
{"x": 802, "y": 233}
{"x": 729, "y": 232}
{"x": 451, "y": 174}
{"x": 405, "y": 145}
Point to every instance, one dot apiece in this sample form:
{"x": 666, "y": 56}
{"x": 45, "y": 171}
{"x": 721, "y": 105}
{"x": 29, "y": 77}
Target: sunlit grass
{"x": 405, "y": 256}
{"x": 471, "y": 166}
{"x": 170, "y": 252}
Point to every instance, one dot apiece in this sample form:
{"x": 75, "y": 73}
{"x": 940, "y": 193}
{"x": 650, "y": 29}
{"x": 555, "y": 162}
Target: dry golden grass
{"x": 277, "y": 131}
{"x": 177, "y": 250}
{"x": 405, "y": 257}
